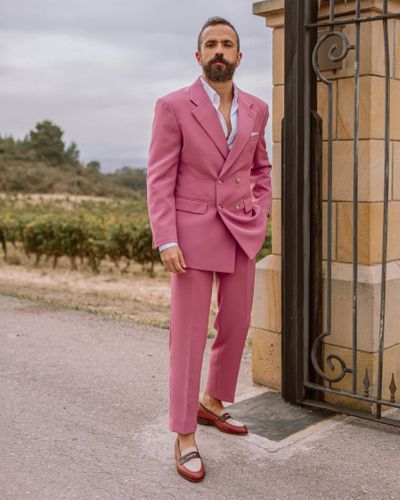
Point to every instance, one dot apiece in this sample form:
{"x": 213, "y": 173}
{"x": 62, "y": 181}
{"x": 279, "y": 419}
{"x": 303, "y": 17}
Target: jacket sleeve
{"x": 163, "y": 160}
{"x": 261, "y": 172}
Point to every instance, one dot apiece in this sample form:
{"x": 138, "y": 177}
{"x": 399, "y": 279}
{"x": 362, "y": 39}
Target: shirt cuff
{"x": 167, "y": 245}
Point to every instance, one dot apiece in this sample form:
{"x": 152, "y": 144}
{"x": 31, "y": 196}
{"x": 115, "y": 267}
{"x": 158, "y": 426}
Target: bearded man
{"x": 209, "y": 198}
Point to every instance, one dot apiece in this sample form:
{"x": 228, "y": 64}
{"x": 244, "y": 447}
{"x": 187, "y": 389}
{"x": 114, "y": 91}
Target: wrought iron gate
{"x": 304, "y": 326}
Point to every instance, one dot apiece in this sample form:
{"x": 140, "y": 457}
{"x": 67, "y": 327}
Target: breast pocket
{"x": 188, "y": 204}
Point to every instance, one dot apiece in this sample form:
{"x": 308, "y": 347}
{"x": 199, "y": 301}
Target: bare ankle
{"x": 186, "y": 440}
{"x": 210, "y": 400}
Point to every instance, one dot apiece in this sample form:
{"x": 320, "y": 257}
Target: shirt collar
{"x": 214, "y": 96}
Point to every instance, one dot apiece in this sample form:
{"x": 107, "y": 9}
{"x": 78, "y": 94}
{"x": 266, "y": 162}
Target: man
{"x": 209, "y": 198}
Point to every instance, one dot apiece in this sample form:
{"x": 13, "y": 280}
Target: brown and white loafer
{"x": 223, "y": 422}
{"x": 190, "y": 465}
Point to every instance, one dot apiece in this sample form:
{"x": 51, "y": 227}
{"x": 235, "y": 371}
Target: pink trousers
{"x": 189, "y": 315}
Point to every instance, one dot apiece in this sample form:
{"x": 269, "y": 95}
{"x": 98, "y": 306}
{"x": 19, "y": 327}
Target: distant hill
{"x": 41, "y": 163}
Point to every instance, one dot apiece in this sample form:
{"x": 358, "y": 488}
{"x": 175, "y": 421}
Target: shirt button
{"x": 237, "y": 205}
{"x": 237, "y": 179}
{"x": 219, "y": 207}
{"x": 219, "y": 181}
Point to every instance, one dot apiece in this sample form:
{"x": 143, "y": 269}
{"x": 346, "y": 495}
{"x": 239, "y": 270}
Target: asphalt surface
{"x": 84, "y": 415}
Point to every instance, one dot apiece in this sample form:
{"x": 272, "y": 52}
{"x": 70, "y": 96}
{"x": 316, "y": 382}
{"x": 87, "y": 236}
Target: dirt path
{"x": 133, "y": 295}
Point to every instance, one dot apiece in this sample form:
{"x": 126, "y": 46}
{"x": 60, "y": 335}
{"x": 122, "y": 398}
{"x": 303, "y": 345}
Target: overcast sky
{"x": 96, "y": 67}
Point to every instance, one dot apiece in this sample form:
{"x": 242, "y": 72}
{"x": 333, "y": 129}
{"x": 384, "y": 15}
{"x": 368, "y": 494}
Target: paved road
{"x": 84, "y": 415}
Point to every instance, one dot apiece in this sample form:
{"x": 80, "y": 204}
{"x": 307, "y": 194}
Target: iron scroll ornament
{"x": 346, "y": 47}
{"x": 329, "y": 358}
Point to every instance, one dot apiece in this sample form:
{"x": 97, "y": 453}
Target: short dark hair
{"x": 212, "y": 21}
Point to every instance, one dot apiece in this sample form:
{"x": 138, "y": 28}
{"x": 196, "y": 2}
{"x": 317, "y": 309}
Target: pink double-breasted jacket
{"x": 201, "y": 194}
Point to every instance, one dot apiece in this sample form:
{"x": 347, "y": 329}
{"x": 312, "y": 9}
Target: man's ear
{"x": 239, "y": 58}
{"x": 198, "y": 57}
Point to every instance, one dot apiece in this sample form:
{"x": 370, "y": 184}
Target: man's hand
{"x": 173, "y": 260}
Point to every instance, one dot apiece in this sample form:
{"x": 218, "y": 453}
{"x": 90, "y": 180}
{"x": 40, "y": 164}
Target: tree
{"x": 72, "y": 154}
{"x": 47, "y": 142}
{"x": 93, "y": 166}
{"x": 133, "y": 178}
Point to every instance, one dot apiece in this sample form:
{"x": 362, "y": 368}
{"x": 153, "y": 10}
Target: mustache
{"x": 219, "y": 58}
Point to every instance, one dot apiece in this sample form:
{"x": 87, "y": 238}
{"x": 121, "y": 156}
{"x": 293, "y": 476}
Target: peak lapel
{"x": 245, "y": 124}
{"x": 206, "y": 115}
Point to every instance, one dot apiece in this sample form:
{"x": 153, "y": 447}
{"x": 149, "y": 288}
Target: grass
{"x": 55, "y": 304}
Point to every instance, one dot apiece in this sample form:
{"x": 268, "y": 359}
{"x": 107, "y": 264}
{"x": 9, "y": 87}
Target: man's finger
{"x": 170, "y": 262}
{"x": 167, "y": 261}
{"x": 181, "y": 259}
{"x": 171, "y": 258}
{"x": 177, "y": 265}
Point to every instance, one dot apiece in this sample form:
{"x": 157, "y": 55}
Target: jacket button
{"x": 237, "y": 205}
{"x": 219, "y": 181}
{"x": 238, "y": 179}
{"x": 219, "y": 207}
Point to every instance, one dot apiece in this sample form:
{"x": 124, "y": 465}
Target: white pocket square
{"x": 253, "y": 134}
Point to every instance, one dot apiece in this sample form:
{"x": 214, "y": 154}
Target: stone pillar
{"x": 266, "y": 322}
{"x": 266, "y": 313}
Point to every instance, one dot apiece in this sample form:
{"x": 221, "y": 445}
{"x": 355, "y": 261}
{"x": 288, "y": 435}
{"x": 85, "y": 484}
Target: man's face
{"x": 219, "y": 56}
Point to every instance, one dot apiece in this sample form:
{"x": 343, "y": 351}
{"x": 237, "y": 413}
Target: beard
{"x": 219, "y": 72}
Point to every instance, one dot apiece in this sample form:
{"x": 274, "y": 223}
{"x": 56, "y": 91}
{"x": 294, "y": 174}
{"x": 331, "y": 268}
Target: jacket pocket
{"x": 194, "y": 205}
{"x": 248, "y": 204}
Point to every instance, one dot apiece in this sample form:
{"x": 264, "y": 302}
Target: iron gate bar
{"x": 341, "y": 392}
{"x": 292, "y": 305}
{"x": 316, "y": 255}
{"x": 312, "y": 201}
{"x": 349, "y": 411}
{"x": 355, "y": 195}
{"x": 295, "y": 241}
{"x": 324, "y": 24}
{"x": 385, "y": 209}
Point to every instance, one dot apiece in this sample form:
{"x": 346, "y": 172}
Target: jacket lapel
{"x": 207, "y": 117}
{"x": 245, "y": 125}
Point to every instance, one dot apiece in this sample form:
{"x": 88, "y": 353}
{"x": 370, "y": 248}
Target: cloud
{"x": 96, "y": 68}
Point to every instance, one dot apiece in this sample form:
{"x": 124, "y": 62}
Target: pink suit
{"x": 214, "y": 203}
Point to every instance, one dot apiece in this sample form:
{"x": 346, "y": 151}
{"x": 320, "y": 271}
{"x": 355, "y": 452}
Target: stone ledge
{"x": 366, "y": 274}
